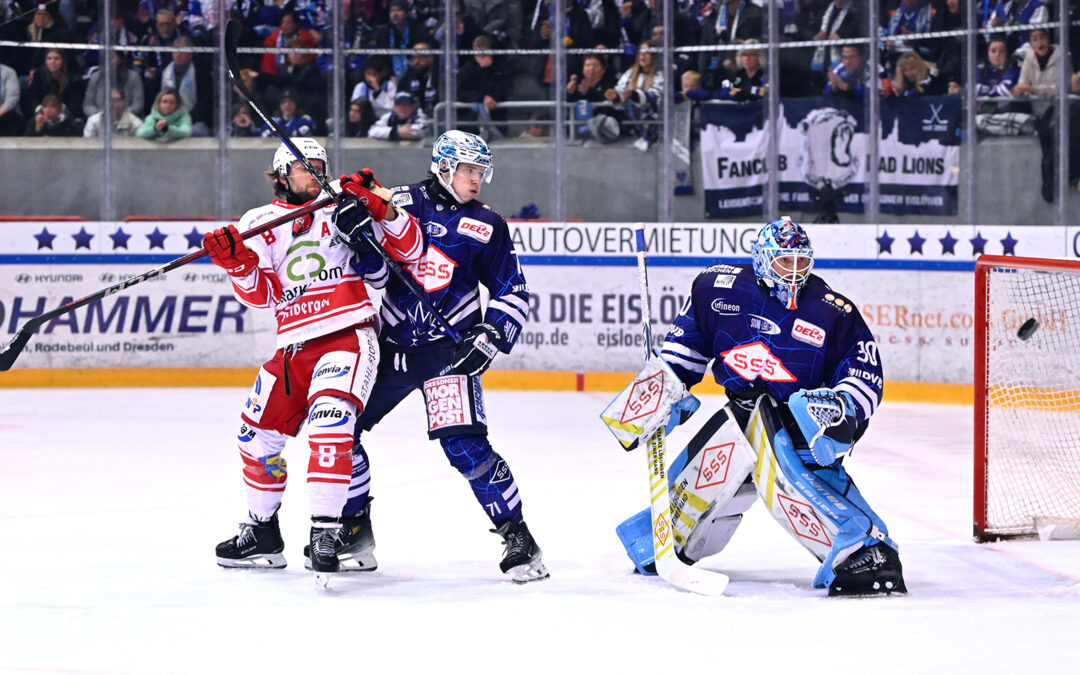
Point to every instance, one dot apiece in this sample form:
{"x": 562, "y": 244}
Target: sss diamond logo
{"x": 644, "y": 398}
{"x": 755, "y": 360}
{"x": 715, "y": 462}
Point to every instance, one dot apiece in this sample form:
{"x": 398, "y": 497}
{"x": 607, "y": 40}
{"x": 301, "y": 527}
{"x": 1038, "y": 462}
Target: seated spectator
{"x": 995, "y": 77}
{"x": 841, "y": 20}
{"x": 124, "y": 123}
{"x": 400, "y": 33}
{"x": 1018, "y": 13}
{"x": 916, "y": 77}
{"x": 288, "y": 30}
{"x": 491, "y": 18}
{"x": 850, "y": 77}
{"x": 537, "y": 35}
{"x": 948, "y": 52}
{"x": 421, "y": 79}
{"x": 11, "y": 121}
{"x": 911, "y": 17}
{"x": 359, "y": 33}
{"x": 378, "y": 87}
{"x": 54, "y": 76}
{"x": 121, "y": 37}
{"x": 243, "y": 123}
{"x": 405, "y": 122}
{"x": 638, "y": 91}
{"x": 592, "y": 83}
{"x": 290, "y": 119}
{"x": 194, "y": 86}
{"x": 46, "y": 26}
{"x": 481, "y": 81}
{"x": 690, "y": 88}
{"x": 164, "y": 33}
{"x": 359, "y": 119}
{"x": 168, "y": 119}
{"x": 728, "y": 22}
{"x": 300, "y": 75}
{"x": 750, "y": 81}
{"x": 51, "y": 118}
{"x": 125, "y": 79}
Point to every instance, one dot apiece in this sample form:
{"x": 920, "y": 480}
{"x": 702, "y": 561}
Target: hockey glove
{"x": 352, "y": 219}
{"x": 479, "y": 346}
{"x": 275, "y": 465}
{"x": 826, "y": 419}
{"x": 228, "y": 252}
{"x": 359, "y": 185}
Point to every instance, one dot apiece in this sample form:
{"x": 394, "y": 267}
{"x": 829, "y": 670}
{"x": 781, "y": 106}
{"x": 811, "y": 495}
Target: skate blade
{"x": 879, "y": 589}
{"x": 322, "y": 580}
{"x": 350, "y": 564}
{"x": 270, "y": 561}
{"x": 523, "y": 574}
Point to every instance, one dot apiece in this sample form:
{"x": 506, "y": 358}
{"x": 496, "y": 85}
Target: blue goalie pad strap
{"x": 635, "y": 533}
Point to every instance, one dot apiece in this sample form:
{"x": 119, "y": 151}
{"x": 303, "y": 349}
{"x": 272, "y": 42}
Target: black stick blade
{"x": 11, "y": 352}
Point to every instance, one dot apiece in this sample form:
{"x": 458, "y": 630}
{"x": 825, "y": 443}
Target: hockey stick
{"x": 668, "y": 565}
{"x": 232, "y": 38}
{"x": 11, "y": 352}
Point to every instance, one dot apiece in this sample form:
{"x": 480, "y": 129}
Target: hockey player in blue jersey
{"x": 803, "y": 376}
{"x": 466, "y": 244}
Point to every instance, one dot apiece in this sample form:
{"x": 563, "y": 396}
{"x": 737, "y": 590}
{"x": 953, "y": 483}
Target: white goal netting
{"x": 1028, "y": 399}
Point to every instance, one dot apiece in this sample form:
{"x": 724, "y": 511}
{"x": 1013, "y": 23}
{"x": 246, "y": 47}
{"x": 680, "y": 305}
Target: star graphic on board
{"x": 1009, "y": 244}
{"x": 194, "y": 239}
{"x": 978, "y": 244}
{"x": 916, "y": 242}
{"x": 44, "y": 239}
{"x": 948, "y": 244}
{"x": 885, "y": 242}
{"x": 82, "y": 239}
{"x": 119, "y": 238}
{"x": 157, "y": 239}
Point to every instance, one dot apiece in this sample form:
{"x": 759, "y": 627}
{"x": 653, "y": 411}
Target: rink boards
{"x": 913, "y": 284}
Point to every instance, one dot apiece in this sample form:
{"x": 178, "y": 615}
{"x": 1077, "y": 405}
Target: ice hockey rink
{"x": 111, "y": 501}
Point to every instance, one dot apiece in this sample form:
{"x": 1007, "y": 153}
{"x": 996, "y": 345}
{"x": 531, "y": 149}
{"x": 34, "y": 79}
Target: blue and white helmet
{"x": 783, "y": 259}
{"x": 454, "y": 147}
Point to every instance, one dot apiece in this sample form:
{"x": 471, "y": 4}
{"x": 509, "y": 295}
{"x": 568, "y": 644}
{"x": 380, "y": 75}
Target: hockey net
{"x": 1027, "y": 398}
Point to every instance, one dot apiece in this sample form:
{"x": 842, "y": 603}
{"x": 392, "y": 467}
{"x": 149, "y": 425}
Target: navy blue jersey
{"x": 465, "y": 245}
{"x": 756, "y": 344}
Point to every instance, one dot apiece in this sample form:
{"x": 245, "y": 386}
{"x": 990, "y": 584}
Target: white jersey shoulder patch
{"x": 804, "y": 331}
{"x": 402, "y": 199}
{"x": 476, "y": 229}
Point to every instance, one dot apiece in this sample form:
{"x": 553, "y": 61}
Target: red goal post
{"x": 1027, "y": 398}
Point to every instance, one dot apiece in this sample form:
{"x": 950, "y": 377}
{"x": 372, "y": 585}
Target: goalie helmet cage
{"x": 1027, "y": 398}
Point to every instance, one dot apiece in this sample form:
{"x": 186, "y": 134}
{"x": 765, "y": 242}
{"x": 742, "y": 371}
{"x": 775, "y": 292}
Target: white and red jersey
{"x": 307, "y": 279}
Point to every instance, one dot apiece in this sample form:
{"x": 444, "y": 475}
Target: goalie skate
{"x": 258, "y": 545}
{"x": 521, "y": 558}
{"x": 869, "y": 571}
{"x": 357, "y": 552}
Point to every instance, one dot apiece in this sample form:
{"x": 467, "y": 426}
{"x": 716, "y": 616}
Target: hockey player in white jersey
{"x": 327, "y": 349}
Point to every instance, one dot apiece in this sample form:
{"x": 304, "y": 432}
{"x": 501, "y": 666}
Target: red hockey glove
{"x": 228, "y": 252}
{"x": 358, "y": 186}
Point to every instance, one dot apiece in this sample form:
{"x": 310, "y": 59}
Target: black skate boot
{"x": 325, "y": 542}
{"x": 357, "y": 552}
{"x": 871, "y": 570}
{"x": 521, "y": 559}
{"x": 259, "y": 545}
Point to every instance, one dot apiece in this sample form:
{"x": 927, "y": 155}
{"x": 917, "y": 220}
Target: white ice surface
{"x": 111, "y": 502}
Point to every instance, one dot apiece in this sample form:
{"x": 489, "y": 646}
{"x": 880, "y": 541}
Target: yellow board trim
{"x": 528, "y": 380}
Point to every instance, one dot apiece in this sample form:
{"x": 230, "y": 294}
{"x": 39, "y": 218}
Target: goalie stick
{"x": 232, "y": 37}
{"x": 668, "y": 565}
{"x": 11, "y": 352}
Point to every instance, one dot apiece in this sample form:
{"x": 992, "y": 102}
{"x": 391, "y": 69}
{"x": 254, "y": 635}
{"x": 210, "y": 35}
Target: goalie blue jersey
{"x": 755, "y": 344}
{"x": 464, "y": 245}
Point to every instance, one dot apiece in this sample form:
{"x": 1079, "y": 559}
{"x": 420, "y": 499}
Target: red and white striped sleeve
{"x": 261, "y": 289}
{"x": 402, "y": 237}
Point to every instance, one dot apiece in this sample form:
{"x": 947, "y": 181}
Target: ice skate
{"x": 521, "y": 559}
{"x": 325, "y": 543}
{"x": 357, "y": 552}
{"x": 869, "y": 571}
{"x": 258, "y": 545}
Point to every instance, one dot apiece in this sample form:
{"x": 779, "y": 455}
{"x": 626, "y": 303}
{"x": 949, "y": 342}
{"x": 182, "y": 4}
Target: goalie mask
{"x": 783, "y": 258}
{"x": 453, "y": 148}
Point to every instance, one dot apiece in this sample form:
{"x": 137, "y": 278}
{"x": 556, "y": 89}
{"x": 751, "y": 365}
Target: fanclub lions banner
{"x": 822, "y": 143}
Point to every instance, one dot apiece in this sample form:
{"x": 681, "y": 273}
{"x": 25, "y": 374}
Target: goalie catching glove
{"x": 228, "y": 252}
{"x": 478, "y": 347}
{"x": 656, "y": 399}
{"x": 826, "y": 418}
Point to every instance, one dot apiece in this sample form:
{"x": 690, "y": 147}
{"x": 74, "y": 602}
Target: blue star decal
{"x": 82, "y": 239}
{"x": 948, "y": 244}
{"x": 194, "y": 239}
{"x": 44, "y": 239}
{"x": 157, "y": 239}
{"x": 885, "y": 242}
{"x": 916, "y": 242}
{"x": 1009, "y": 244}
{"x": 119, "y": 238}
{"x": 978, "y": 244}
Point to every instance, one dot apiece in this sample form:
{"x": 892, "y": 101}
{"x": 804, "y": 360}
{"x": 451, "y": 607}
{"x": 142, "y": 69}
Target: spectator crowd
{"x": 166, "y": 95}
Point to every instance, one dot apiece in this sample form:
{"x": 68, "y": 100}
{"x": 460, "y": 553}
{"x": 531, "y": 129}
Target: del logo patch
{"x": 804, "y": 331}
{"x": 755, "y": 360}
{"x": 435, "y": 271}
{"x": 477, "y": 230}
